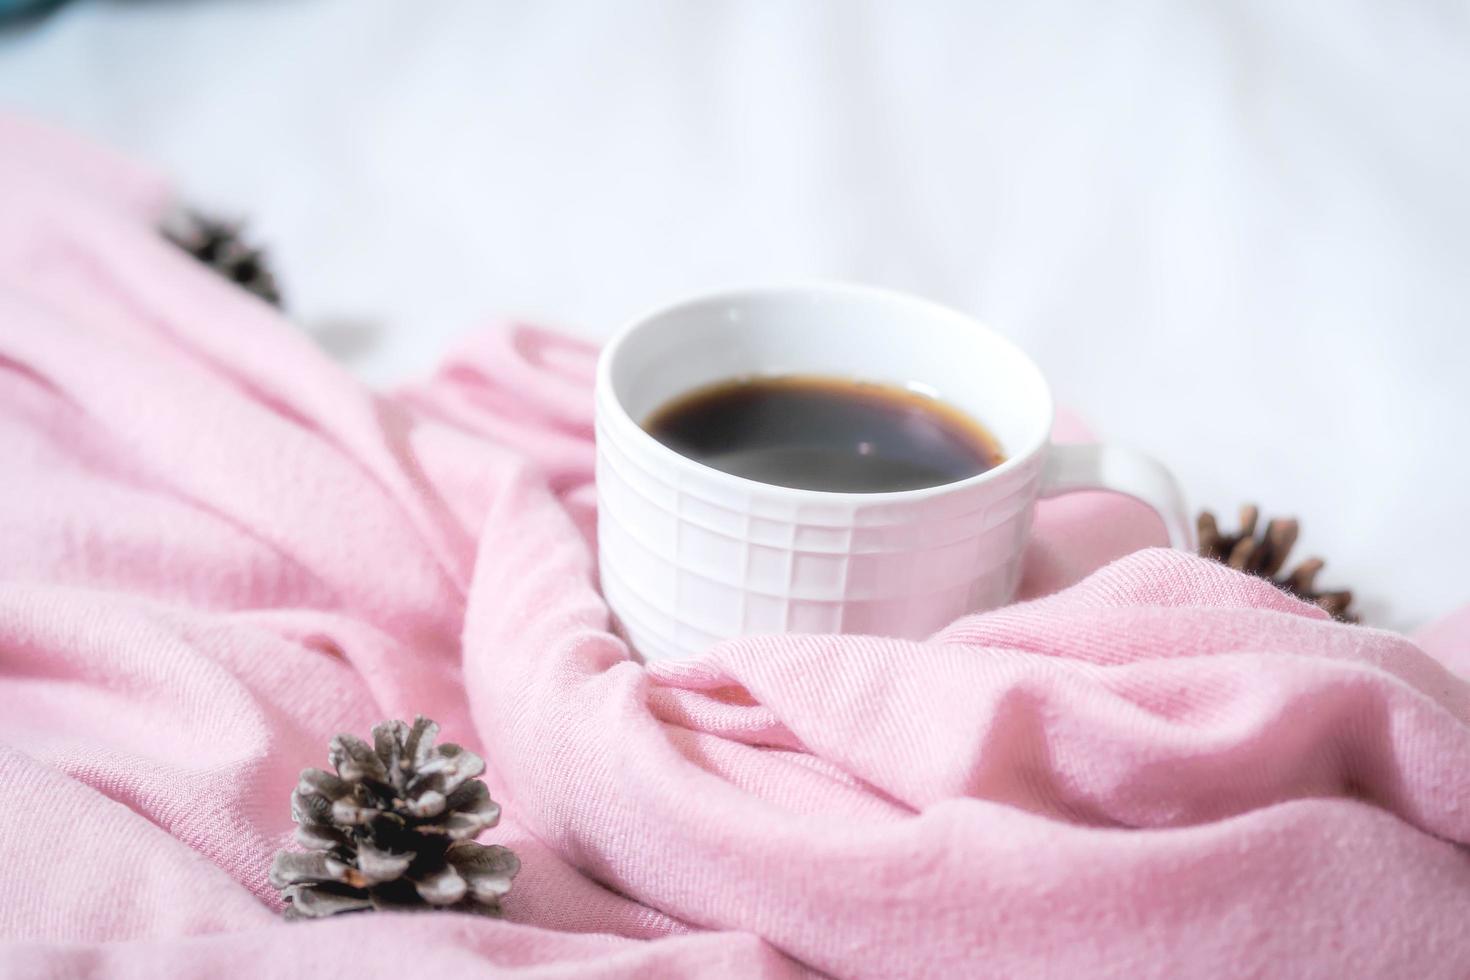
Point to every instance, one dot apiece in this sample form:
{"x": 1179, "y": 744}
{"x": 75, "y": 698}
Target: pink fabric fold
{"x": 217, "y": 549}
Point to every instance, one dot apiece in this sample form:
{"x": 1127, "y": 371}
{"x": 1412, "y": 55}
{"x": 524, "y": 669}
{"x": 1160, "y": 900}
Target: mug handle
{"x": 1088, "y": 466}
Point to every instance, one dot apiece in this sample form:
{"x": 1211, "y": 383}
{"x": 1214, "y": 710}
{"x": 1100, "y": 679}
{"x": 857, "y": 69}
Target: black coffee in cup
{"x": 814, "y": 432}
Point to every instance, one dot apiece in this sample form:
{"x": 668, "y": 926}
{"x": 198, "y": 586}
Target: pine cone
{"x": 394, "y": 829}
{"x": 1265, "y": 555}
{"x": 221, "y": 246}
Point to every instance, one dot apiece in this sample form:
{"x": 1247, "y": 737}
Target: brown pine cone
{"x": 394, "y": 828}
{"x": 221, "y": 245}
{"x": 1265, "y": 555}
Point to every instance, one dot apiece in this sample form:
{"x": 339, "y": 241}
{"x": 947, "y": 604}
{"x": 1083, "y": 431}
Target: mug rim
{"x": 605, "y": 392}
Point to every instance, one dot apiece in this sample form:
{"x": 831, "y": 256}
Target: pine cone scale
{"x": 1267, "y": 554}
{"x": 317, "y": 901}
{"x": 447, "y": 772}
{"x": 430, "y": 804}
{"x": 1281, "y": 536}
{"x": 323, "y": 783}
{"x": 220, "y": 245}
{"x": 443, "y": 887}
{"x": 349, "y": 812}
{"x": 488, "y": 868}
{"x": 419, "y": 741}
{"x": 355, "y": 760}
{"x": 388, "y": 746}
{"x": 318, "y": 838}
{"x": 291, "y": 868}
{"x": 379, "y": 866}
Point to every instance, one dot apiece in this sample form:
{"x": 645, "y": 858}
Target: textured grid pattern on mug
{"x": 704, "y": 610}
{"x": 730, "y": 571}
{"x": 654, "y": 631}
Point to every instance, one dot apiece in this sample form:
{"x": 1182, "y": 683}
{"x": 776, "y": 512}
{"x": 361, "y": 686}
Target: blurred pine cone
{"x": 1265, "y": 555}
{"x": 394, "y": 829}
{"x": 221, "y": 245}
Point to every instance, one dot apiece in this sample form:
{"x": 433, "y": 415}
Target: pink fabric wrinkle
{"x": 536, "y": 373}
{"x": 1448, "y": 641}
{"x": 522, "y": 388}
{"x": 38, "y": 155}
{"x": 750, "y": 723}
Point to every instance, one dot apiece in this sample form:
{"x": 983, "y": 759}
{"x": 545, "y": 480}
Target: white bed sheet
{"x": 1234, "y": 234}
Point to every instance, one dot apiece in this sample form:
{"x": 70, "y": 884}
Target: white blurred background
{"x": 1234, "y": 234}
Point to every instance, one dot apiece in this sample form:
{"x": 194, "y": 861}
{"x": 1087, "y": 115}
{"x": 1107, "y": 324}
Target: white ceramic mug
{"x": 691, "y": 555}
